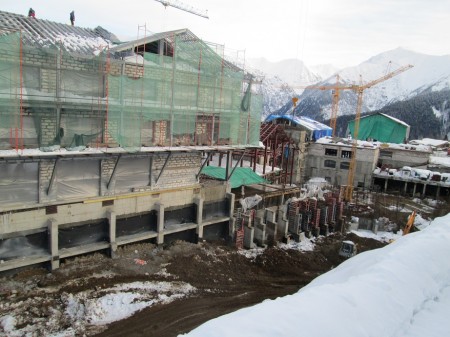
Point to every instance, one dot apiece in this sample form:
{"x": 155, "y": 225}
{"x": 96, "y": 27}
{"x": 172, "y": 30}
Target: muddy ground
{"x": 225, "y": 279}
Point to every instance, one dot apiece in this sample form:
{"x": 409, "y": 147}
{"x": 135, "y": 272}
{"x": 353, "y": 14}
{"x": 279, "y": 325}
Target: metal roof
{"x": 387, "y": 116}
{"x": 306, "y": 122}
{"x": 45, "y": 33}
{"x": 185, "y": 34}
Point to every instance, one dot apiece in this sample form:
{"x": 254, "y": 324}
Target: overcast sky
{"x": 338, "y": 32}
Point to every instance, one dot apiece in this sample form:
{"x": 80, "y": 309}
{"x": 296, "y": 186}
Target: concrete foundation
{"x": 18, "y": 224}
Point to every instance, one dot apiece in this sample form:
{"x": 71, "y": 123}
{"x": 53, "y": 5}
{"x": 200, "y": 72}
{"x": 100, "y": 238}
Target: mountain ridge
{"x": 431, "y": 73}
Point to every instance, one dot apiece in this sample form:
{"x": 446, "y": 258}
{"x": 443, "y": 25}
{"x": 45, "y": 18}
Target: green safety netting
{"x": 191, "y": 97}
{"x": 10, "y": 84}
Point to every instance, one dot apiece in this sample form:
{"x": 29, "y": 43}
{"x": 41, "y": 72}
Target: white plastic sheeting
{"x": 18, "y": 183}
{"x": 77, "y": 179}
{"x": 132, "y": 172}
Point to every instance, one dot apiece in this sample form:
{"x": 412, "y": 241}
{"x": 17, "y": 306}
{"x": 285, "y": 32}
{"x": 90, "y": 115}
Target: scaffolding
{"x": 176, "y": 91}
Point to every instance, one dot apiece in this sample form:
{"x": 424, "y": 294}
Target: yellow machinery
{"x": 410, "y": 223}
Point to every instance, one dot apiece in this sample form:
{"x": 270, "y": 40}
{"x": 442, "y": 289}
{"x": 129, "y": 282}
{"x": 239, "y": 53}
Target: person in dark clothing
{"x": 31, "y": 13}
{"x": 72, "y": 17}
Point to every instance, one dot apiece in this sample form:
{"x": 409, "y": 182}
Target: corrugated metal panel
{"x": 45, "y": 33}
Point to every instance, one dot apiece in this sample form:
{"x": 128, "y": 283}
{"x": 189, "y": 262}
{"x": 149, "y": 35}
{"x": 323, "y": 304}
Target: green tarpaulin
{"x": 241, "y": 175}
{"x": 381, "y": 127}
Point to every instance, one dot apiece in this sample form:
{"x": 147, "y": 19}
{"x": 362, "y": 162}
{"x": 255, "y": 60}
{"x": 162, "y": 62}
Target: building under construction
{"x": 102, "y": 142}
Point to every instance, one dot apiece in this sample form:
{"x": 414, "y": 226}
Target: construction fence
{"x": 189, "y": 95}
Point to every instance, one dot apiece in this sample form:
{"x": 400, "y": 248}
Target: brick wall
{"x": 45, "y": 174}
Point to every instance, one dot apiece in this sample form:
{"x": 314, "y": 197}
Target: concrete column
{"x": 385, "y": 185}
{"x": 232, "y": 225}
{"x": 437, "y": 192}
{"x": 414, "y": 189}
{"x": 53, "y": 240}
{"x": 249, "y": 236}
{"x": 424, "y": 189}
{"x": 282, "y": 223}
{"x": 231, "y": 199}
{"x": 406, "y": 186}
{"x": 160, "y": 224}
{"x": 199, "y": 230}
{"x": 112, "y": 232}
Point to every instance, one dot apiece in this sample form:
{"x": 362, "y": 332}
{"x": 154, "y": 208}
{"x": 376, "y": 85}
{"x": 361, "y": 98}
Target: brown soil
{"x": 229, "y": 281}
{"x": 225, "y": 280}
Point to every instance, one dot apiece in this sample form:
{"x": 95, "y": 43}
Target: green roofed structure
{"x": 241, "y": 176}
{"x": 382, "y": 128}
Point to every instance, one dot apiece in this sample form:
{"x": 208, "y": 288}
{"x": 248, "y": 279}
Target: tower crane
{"x": 335, "y": 102}
{"x": 184, "y": 7}
{"x": 359, "y": 89}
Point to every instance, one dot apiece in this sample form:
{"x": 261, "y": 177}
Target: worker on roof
{"x": 31, "y": 13}
{"x": 72, "y": 17}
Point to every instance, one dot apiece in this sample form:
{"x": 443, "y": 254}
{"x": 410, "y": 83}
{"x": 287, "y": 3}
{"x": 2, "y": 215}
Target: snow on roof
{"x": 424, "y": 148}
{"x": 308, "y": 123}
{"x": 347, "y": 142}
{"x": 406, "y": 288}
{"x": 430, "y": 142}
{"x": 443, "y": 161}
{"x": 45, "y": 33}
{"x": 394, "y": 119}
{"x": 387, "y": 116}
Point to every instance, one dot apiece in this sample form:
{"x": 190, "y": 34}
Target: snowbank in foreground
{"x": 400, "y": 290}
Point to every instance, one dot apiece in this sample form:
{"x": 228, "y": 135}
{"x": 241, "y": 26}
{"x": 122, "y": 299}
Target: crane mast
{"x": 359, "y": 89}
{"x": 184, "y": 7}
{"x": 334, "y": 107}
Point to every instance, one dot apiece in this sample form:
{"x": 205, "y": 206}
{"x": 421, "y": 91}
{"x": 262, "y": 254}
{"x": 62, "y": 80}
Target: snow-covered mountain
{"x": 291, "y": 71}
{"x": 281, "y": 80}
{"x": 430, "y": 73}
{"x": 324, "y": 70}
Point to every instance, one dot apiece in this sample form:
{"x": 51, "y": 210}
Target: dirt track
{"x": 236, "y": 282}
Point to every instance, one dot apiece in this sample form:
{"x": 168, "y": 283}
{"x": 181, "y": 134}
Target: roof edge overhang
{"x": 151, "y": 38}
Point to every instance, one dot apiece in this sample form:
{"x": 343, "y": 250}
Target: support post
{"x": 231, "y": 199}
{"x": 53, "y": 240}
{"x": 199, "y": 229}
{"x": 385, "y": 185}
{"x": 405, "y": 188}
{"x": 424, "y": 190}
{"x": 160, "y": 224}
{"x": 111, "y": 216}
{"x": 414, "y": 189}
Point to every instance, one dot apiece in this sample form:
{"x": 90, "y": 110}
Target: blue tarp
{"x": 318, "y": 130}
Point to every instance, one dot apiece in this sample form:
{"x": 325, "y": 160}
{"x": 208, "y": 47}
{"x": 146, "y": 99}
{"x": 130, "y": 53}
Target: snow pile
{"x": 251, "y": 253}
{"x": 402, "y": 289}
{"x": 380, "y": 236}
{"x": 96, "y": 307}
{"x": 306, "y": 245}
